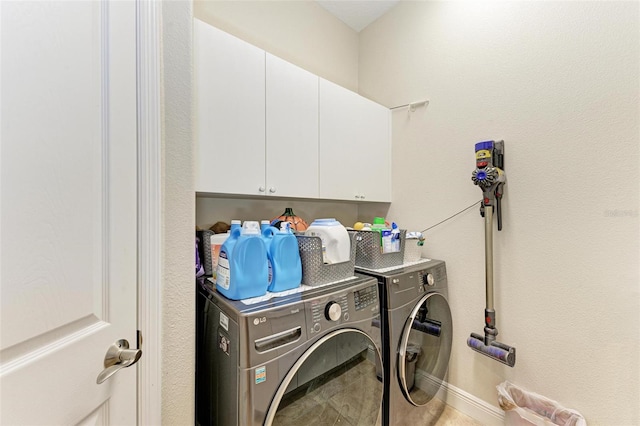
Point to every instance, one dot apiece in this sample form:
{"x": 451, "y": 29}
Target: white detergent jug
{"x": 216, "y": 245}
{"x": 336, "y": 244}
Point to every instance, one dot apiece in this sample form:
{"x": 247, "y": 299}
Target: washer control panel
{"x": 432, "y": 277}
{"x": 365, "y": 297}
{"x": 342, "y": 307}
{"x": 332, "y": 311}
{"x": 328, "y": 311}
{"x": 427, "y": 279}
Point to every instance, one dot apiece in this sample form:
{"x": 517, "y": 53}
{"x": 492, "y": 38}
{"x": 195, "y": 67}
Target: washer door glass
{"x": 336, "y": 381}
{"x": 425, "y": 347}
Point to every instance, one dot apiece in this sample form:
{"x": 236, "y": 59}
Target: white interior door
{"x": 68, "y": 202}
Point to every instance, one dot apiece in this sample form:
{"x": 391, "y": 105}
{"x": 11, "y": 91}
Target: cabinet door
{"x": 355, "y": 146}
{"x": 374, "y": 151}
{"x": 230, "y": 113}
{"x": 292, "y": 130}
{"x": 338, "y": 159}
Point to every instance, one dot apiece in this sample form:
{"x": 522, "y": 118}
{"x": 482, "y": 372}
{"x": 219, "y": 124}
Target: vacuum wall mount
{"x": 490, "y": 177}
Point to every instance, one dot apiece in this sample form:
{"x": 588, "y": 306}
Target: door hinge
{"x": 139, "y": 339}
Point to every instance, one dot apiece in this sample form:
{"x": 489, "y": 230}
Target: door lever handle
{"x": 118, "y": 356}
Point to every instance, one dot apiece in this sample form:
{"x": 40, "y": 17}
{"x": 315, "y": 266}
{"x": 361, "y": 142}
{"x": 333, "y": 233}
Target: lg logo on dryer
{"x": 262, "y": 320}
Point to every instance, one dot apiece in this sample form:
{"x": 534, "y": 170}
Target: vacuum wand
{"x": 490, "y": 330}
{"x": 490, "y": 177}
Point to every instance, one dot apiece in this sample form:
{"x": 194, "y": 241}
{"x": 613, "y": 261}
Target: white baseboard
{"x": 466, "y": 403}
{"x": 472, "y": 406}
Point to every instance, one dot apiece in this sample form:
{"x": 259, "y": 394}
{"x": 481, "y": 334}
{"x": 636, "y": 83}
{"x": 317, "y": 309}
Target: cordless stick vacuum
{"x": 490, "y": 177}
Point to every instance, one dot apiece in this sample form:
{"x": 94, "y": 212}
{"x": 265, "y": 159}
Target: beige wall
{"x": 559, "y": 82}
{"x": 178, "y": 289}
{"x": 212, "y": 210}
{"x": 300, "y": 32}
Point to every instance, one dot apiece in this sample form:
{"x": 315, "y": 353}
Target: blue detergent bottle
{"x": 285, "y": 257}
{"x": 223, "y": 271}
{"x": 247, "y": 265}
{"x": 267, "y": 231}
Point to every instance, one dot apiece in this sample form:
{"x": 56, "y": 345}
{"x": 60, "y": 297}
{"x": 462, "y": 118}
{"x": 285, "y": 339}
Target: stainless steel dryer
{"x": 417, "y": 337}
{"x": 310, "y": 358}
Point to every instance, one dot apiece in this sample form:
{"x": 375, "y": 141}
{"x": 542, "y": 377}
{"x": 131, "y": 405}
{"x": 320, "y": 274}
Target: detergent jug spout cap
{"x": 285, "y": 227}
{"x": 264, "y": 225}
{"x": 250, "y": 227}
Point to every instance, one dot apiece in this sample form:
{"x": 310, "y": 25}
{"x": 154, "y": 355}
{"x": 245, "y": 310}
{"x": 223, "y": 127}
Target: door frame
{"x": 149, "y": 111}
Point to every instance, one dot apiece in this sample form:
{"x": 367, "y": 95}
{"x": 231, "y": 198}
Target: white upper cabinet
{"x": 267, "y": 127}
{"x": 355, "y": 146}
{"x": 292, "y": 130}
{"x": 230, "y": 109}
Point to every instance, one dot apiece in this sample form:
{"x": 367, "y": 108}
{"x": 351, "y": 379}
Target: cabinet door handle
{"x": 272, "y": 190}
{"x": 261, "y": 189}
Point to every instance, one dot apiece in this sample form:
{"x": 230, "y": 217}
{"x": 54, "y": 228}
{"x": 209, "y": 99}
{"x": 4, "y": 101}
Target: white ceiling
{"x": 357, "y": 13}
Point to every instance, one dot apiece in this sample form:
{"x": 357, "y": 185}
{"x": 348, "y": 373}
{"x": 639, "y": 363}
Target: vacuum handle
{"x": 488, "y": 254}
{"x": 499, "y": 208}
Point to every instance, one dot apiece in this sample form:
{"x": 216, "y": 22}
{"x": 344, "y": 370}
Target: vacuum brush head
{"x": 496, "y": 350}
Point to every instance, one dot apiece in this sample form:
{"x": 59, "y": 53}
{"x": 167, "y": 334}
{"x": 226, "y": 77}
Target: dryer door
{"x": 424, "y": 349}
{"x": 338, "y": 380}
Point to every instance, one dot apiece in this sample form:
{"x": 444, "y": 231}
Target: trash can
{"x": 524, "y": 408}
{"x": 410, "y": 360}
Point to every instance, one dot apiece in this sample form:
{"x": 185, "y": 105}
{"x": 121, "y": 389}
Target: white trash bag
{"x": 527, "y": 408}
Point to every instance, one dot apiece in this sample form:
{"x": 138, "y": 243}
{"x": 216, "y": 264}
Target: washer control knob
{"x": 333, "y": 311}
{"x": 429, "y": 279}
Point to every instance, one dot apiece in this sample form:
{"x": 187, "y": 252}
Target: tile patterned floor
{"x": 331, "y": 400}
{"x": 452, "y": 417}
{"x": 437, "y": 413}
